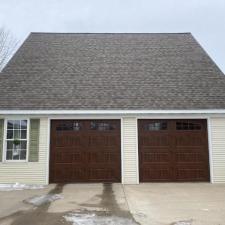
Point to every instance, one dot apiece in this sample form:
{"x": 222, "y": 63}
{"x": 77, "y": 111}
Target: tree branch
{"x": 8, "y": 45}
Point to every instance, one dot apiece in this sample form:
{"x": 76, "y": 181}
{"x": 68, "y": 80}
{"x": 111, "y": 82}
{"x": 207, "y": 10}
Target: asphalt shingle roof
{"x": 111, "y": 71}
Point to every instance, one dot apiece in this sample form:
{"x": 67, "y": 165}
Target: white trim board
{"x": 137, "y": 153}
{"x": 210, "y": 152}
{"x": 109, "y": 112}
{"x": 48, "y": 151}
{"x": 122, "y": 149}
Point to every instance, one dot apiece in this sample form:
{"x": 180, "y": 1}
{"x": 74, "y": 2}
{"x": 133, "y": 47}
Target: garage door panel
{"x": 69, "y": 157}
{"x": 187, "y": 139}
{"x": 85, "y": 151}
{"x": 192, "y": 157}
{"x": 103, "y": 141}
{"x": 180, "y": 144}
{"x": 158, "y": 157}
{"x": 155, "y": 140}
{"x": 156, "y": 173}
{"x": 68, "y": 140}
{"x": 62, "y": 174}
{"x": 191, "y": 171}
{"x": 189, "y": 174}
{"x": 106, "y": 173}
{"x": 79, "y": 173}
{"x": 103, "y": 157}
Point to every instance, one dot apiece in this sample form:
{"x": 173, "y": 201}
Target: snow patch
{"x": 187, "y": 222}
{"x": 19, "y": 187}
{"x": 93, "y": 219}
{"x": 205, "y": 209}
{"x": 43, "y": 199}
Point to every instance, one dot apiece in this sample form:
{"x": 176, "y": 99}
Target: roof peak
{"x": 134, "y": 33}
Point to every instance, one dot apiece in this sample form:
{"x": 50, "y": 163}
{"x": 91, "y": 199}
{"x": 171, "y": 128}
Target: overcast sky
{"x": 204, "y": 18}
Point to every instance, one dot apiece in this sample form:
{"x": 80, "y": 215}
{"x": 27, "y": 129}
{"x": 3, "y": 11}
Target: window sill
{"x": 15, "y": 161}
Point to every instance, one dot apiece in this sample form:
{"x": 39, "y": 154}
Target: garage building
{"x": 111, "y": 107}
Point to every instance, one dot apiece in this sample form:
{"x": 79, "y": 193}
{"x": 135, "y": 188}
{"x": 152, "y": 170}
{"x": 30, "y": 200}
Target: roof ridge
{"x": 110, "y": 33}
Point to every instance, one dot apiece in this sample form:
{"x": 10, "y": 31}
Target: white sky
{"x": 204, "y": 18}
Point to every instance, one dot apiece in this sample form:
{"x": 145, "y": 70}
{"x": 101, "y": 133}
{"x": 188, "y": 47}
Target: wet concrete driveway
{"x": 77, "y": 204}
{"x": 115, "y": 204}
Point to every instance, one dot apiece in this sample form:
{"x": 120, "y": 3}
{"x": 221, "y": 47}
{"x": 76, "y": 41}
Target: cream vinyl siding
{"x": 218, "y": 149}
{"x": 129, "y": 148}
{"x": 29, "y": 172}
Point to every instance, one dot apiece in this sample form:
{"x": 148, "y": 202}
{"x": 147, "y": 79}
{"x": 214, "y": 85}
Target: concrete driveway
{"x": 177, "y": 203}
{"x": 115, "y": 204}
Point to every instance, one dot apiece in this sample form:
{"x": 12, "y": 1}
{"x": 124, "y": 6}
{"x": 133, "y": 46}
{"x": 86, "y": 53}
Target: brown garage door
{"x": 85, "y": 151}
{"x": 173, "y": 150}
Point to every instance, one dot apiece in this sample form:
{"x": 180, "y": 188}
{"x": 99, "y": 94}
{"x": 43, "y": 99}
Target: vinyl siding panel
{"x": 29, "y": 172}
{"x": 129, "y": 148}
{"x": 218, "y": 149}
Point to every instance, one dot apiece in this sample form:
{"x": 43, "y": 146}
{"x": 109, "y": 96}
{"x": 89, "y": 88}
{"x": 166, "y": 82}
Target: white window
{"x": 16, "y": 140}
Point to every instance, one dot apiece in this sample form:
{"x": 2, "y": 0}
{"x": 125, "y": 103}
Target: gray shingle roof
{"x": 111, "y": 71}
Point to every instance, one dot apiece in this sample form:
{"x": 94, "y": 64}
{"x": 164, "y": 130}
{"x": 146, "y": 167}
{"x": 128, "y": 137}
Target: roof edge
{"x": 102, "y": 112}
{"x": 207, "y": 54}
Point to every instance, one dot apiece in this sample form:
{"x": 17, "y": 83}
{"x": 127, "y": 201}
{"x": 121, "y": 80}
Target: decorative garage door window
{"x": 188, "y": 126}
{"x": 155, "y": 126}
{"x": 102, "y": 126}
{"x": 69, "y": 126}
{"x": 16, "y": 140}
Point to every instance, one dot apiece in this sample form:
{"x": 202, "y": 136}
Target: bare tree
{"x": 8, "y": 45}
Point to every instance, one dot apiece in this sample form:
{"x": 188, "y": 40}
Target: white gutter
{"x": 109, "y": 112}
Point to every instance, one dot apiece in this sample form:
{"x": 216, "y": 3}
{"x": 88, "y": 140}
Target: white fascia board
{"x": 109, "y": 112}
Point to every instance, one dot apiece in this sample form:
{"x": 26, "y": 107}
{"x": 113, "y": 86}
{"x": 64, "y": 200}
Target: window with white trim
{"x": 16, "y": 139}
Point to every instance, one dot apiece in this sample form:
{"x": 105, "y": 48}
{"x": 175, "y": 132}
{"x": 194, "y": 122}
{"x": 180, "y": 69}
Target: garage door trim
{"x": 209, "y": 132}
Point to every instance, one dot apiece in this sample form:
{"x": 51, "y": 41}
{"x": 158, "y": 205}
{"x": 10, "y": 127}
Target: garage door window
{"x": 16, "y": 140}
{"x": 187, "y": 126}
{"x": 74, "y": 126}
{"x": 101, "y": 126}
{"x": 155, "y": 126}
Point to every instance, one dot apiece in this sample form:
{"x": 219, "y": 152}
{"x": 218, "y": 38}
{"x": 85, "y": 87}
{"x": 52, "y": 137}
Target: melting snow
{"x": 205, "y": 209}
{"x": 93, "y": 219}
{"x": 40, "y": 200}
{"x": 188, "y": 222}
{"x": 18, "y": 186}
